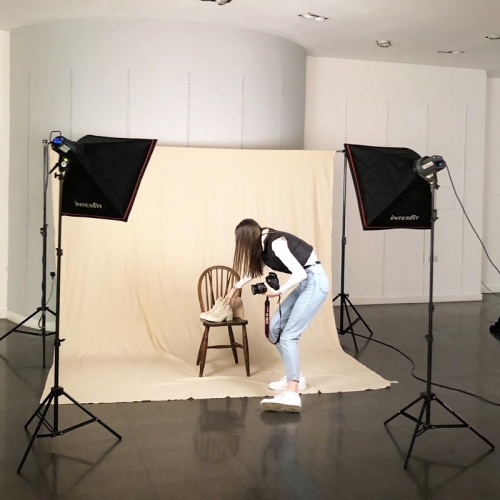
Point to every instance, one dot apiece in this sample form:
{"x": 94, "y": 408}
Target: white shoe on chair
{"x": 286, "y": 401}
{"x": 203, "y": 315}
{"x": 222, "y": 312}
{"x": 282, "y": 384}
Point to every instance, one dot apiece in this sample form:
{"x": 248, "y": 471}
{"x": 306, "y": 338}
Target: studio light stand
{"x": 424, "y": 422}
{"x": 43, "y": 309}
{"x": 56, "y": 391}
{"x": 345, "y": 302}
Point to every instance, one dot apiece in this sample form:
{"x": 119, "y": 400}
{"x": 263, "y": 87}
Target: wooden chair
{"x": 215, "y": 282}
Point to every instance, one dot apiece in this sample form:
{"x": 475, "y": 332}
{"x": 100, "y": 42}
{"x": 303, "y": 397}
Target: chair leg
{"x": 198, "y": 359}
{"x": 203, "y": 350}
{"x": 233, "y": 347}
{"x": 245, "y": 350}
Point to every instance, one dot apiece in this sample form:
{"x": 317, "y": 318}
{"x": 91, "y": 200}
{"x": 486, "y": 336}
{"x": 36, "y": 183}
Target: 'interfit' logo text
{"x": 405, "y": 217}
{"x": 88, "y": 205}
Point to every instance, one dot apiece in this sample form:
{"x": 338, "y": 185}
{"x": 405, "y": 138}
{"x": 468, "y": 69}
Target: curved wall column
{"x": 185, "y": 84}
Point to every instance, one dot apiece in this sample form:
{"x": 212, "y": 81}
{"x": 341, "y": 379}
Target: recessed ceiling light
{"x": 219, "y": 2}
{"x": 451, "y": 51}
{"x": 384, "y": 43}
{"x": 313, "y": 17}
{"x": 493, "y": 37}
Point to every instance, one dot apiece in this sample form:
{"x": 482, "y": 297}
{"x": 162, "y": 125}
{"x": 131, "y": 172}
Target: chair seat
{"x": 234, "y": 322}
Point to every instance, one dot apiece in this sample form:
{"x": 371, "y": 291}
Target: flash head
{"x": 427, "y": 166}
{"x": 65, "y": 147}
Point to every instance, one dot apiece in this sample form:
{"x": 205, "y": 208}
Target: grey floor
{"x": 337, "y": 448}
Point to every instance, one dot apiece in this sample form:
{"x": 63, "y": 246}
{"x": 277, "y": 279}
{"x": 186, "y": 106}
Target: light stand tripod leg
{"x": 403, "y": 410}
{"x": 74, "y": 401}
{"x": 47, "y": 401}
{"x": 43, "y": 333}
{"x": 425, "y": 405}
{"x": 20, "y": 324}
{"x": 465, "y": 424}
{"x": 360, "y": 318}
{"x": 351, "y": 328}
{"x": 37, "y": 411}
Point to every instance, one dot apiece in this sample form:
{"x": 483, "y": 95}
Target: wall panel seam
{"x": 242, "y": 110}
{"x": 464, "y": 180}
{"x": 27, "y": 191}
{"x": 127, "y": 126}
{"x": 71, "y": 104}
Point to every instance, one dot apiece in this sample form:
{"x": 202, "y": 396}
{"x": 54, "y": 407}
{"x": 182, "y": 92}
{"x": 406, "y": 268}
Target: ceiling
{"x": 417, "y": 29}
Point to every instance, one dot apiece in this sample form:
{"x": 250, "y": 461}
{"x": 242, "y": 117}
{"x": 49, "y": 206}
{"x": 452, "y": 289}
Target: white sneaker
{"x": 203, "y": 315}
{"x": 282, "y": 384}
{"x": 221, "y": 312}
{"x": 286, "y": 401}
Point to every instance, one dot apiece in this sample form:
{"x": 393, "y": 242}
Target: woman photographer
{"x": 257, "y": 247}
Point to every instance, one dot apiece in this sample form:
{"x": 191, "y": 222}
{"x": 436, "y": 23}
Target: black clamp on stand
{"x": 423, "y": 422}
{"x": 345, "y": 302}
{"x": 53, "y": 429}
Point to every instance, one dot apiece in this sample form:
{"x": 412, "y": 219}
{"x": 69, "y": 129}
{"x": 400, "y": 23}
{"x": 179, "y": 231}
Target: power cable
{"x": 469, "y": 221}
{"x": 423, "y": 380}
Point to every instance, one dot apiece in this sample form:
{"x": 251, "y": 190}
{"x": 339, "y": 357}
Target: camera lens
{"x": 258, "y": 288}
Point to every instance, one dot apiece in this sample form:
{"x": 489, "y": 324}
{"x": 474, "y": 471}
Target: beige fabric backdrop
{"x": 129, "y": 308}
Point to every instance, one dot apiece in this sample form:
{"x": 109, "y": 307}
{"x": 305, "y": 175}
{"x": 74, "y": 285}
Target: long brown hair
{"x": 248, "y": 250}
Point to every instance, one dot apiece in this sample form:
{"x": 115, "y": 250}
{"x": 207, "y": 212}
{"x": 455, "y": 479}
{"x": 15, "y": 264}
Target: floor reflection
{"x": 59, "y": 474}
{"x": 430, "y": 476}
{"x": 217, "y": 438}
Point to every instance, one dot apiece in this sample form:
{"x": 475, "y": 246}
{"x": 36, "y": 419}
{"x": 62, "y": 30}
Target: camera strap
{"x": 266, "y": 320}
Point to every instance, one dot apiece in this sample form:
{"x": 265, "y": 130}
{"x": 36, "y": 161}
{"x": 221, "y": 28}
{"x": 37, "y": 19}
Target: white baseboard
{"x": 364, "y": 301}
{"x": 33, "y": 322}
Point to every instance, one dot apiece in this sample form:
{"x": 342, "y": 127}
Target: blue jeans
{"x": 297, "y": 311}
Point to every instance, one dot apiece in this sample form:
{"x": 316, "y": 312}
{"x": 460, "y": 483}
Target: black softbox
{"x": 103, "y": 180}
{"x": 390, "y": 194}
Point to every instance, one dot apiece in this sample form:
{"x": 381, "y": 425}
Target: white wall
{"x": 491, "y": 231}
{"x": 4, "y": 167}
{"x": 432, "y": 111}
{"x": 200, "y": 85}
{"x": 185, "y": 84}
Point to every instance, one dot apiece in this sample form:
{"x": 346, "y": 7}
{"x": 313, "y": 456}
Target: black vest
{"x": 298, "y": 248}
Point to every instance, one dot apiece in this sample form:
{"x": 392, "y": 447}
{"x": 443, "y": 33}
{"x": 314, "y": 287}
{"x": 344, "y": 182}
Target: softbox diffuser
{"x": 390, "y": 194}
{"x": 103, "y": 181}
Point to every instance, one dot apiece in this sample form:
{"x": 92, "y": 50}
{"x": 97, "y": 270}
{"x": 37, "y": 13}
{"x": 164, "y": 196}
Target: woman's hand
{"x": 231, "y": 293}
{"x": 272, "y": 293}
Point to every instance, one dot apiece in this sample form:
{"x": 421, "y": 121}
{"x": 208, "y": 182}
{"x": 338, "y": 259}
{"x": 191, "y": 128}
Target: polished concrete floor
{"x": 337, "y": 448}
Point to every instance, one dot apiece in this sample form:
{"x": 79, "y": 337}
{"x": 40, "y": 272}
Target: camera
{"x": 271, "y": 279}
